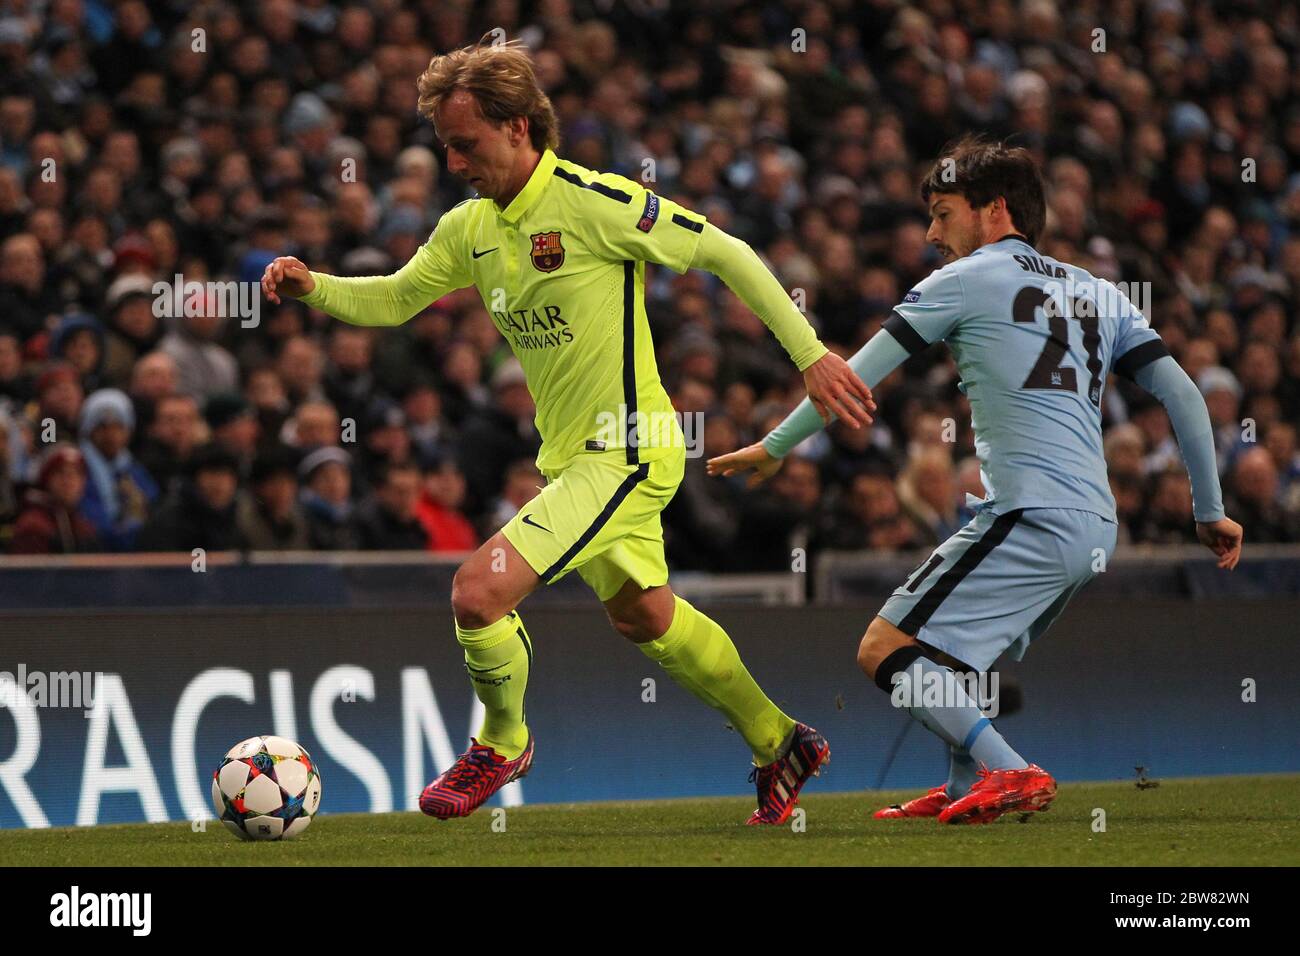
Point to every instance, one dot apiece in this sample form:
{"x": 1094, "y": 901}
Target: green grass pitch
{"x": 1211, "y": 821}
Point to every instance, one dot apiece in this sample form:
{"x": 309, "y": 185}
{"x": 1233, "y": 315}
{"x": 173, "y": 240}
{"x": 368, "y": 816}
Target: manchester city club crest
{"x": 548, "y": 254}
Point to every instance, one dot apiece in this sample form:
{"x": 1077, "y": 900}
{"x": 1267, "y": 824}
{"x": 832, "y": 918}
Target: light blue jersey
{"x": 1034, "y": 340}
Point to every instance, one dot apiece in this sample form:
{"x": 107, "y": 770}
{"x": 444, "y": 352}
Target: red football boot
{"x": 779, "y": 783}
{"x": 930, "y": 805}
{"x": 1002, "y": 791}
{"x": 477, "y": 774}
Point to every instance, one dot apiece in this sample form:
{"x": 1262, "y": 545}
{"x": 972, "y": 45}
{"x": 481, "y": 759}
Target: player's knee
{"x": 627, "y": 626}
{"x": 635, "y": 622}
{"x": 881, "y": 640}
{"x": 640, "y": 619}
{"x": 472, "y": 600}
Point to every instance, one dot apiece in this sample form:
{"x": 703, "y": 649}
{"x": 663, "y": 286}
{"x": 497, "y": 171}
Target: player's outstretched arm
{"x": 871, "y": 363}
{"x": 434, "y": 270}
{"x": 1165, "y": 379}
{"x": 832, "y": 385}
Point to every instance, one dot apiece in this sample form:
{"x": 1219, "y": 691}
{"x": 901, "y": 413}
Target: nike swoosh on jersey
{"x": 478, "y": 254}
{"x": 528, "y": 519}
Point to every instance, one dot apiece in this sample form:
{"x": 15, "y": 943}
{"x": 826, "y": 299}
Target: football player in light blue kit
{"x": 1034, "y": 341}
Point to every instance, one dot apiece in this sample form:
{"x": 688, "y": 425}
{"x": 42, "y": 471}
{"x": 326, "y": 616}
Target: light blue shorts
{"x": 1000, "y": 582}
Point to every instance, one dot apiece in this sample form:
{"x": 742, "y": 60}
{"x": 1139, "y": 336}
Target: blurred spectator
{"x": 59, "y": 397}
{"x": 51, "y": 521}
{"x": 201, "y": 513}
{"x": 1280, "y": 440}
{"x": 431, "y": 436}
{"x": 301, "y": 367}
{"x": 384, "y": 438}
{"x": 203, "y": 367}
{"x": 777, "y": 518}
{"x": 442, "y": 495}
{"x": 702, "y": 521}
{"x": 348, "y": 382}
{"x": 15, "y": 382}
{"x": 266, "y": 393}
{"x": 1222, "y": 394}
{"x": 153, "y": 377}
{"x": 175, "y": 432}
{"x": 927, "y": 491}
{"x": 79, "y": 341}
{"x": 499, "y": 435}
{"x": 388, "y": 519}
{"x": 27, "y": 302}
{"x": 315, "y": 423}
{"x": 268, "y": 514}
{"x": 234, "y": 427}
{"x": 133, "y": 329}
{"x": 870, "y": 516}
{"x": 1168, "y": 516}
{"x": 1253, "y": 496}
{"x": 1128, "y": 491}
{"x": 325, "y": 475}
{"x": 523, "y": 482}
{"x": 120, "y": 492}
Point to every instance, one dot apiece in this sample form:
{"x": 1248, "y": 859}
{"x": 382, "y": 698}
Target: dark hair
{"x": 980, "y": 171}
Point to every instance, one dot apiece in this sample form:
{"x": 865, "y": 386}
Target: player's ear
{"x": 518, "y": 129}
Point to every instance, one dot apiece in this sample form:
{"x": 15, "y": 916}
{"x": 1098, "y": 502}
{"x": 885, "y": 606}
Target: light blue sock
{"x": 962, "y": 772}
{"x": 933, "y": 695}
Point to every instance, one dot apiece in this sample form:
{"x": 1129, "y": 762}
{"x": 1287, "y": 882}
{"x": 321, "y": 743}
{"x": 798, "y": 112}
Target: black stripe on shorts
{"x": 968, "y": 562}
{"x": 624, "y": 489}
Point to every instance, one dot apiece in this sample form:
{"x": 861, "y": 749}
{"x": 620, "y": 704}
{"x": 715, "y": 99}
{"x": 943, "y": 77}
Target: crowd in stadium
{"x": 134, "y": 149}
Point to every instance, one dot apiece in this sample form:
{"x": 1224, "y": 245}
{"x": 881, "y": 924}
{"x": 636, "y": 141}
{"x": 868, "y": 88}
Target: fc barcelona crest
{"x": 548, "y": 254}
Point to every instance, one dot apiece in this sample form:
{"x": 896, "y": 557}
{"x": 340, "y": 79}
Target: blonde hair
{"x": 501, "y": 79}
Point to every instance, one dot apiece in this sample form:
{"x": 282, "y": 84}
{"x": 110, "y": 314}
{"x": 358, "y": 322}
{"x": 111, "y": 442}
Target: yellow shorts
{"x": 600, "y": 515}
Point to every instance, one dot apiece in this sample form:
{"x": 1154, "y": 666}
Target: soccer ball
{"x": 267, "y": 788}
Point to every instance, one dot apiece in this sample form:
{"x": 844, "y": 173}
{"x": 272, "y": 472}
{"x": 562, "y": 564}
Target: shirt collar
{"x": 532, "y": 190}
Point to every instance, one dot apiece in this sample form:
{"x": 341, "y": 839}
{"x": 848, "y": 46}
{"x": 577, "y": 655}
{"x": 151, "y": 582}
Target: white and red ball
{"x": 267, "y": 788}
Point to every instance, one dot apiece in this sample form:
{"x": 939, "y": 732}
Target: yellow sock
{"x": 699, "y": 655}
{"x": 497, "y": 658}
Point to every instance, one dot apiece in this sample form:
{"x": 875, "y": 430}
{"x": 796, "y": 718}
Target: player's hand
{"x": 286, "y": 276}
{"x": 750, "y": 457}
{"x": 1223, "y": 537}
{"x": 835, "y": 390}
